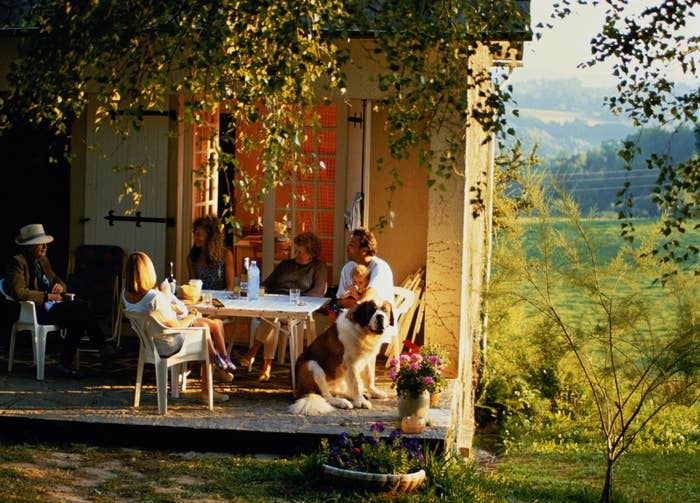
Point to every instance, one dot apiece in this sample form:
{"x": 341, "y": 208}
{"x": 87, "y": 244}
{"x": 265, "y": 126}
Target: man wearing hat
{"x": 30, "y": 277}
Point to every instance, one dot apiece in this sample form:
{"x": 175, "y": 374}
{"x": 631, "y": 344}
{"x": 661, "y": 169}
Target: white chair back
{"x": 403, "y": 302}
{"x": 195, "y": 348}
{"x": 28, "y": 321}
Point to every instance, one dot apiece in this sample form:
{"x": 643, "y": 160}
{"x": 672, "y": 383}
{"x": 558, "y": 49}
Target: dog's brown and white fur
{"x": 337, "y": 369}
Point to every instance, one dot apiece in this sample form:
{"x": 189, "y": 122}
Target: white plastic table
{"x": 270, "y": 308}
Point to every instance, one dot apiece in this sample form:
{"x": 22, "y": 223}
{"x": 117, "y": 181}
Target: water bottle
{"x": 253, "y": 280}
{"x": 244, "y": 276}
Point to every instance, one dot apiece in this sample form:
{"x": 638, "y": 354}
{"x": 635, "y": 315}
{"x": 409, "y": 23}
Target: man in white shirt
{"x": 362, "y": 249}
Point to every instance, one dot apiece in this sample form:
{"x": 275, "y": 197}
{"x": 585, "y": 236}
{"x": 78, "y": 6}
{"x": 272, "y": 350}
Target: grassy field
{"x": 558, "y": 473}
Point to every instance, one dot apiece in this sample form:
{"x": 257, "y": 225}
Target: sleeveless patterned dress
{"x": 212, "y": 277}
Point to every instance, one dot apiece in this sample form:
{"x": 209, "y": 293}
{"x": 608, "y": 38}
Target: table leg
{"x": 292, "y": 350}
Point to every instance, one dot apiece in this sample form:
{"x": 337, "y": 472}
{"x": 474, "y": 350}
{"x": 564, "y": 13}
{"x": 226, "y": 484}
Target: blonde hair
{"x": 360, "y": 271}
{"x": 140, "y": 274}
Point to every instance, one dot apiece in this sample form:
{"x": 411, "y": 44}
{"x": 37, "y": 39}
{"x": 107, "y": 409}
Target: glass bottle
{"x": 244, "y": 276}
{"x": 171, "y": 279}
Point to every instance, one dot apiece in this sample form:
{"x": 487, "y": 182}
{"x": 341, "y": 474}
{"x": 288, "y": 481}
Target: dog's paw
{"x": 362, "y": 403}
{"x": 340, "y": 403}
{"x": 377, "y": 394}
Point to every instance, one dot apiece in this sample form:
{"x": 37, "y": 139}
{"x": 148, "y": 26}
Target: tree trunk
{"x": 606, "y": 495}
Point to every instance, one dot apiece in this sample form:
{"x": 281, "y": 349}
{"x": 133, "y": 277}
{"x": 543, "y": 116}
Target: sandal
{"x": 230, "y": 366}
{"x": 245, "y": 362}
{"x": 265, "y": 376}
{"x": 220, "y": 362}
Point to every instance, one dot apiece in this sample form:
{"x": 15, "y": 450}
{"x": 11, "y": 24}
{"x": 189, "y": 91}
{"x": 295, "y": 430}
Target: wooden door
{"x": 112, "y": 162}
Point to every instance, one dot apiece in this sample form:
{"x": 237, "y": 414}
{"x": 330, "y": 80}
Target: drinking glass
{"x": 294, "y": 294}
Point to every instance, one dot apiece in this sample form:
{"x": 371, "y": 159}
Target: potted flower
{"x": 415, "y": 377}
{"x": 436, "y": 354}
{"x": 373, "y": 462}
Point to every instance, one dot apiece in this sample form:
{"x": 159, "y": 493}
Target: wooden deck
{"x": 99, "y": 408}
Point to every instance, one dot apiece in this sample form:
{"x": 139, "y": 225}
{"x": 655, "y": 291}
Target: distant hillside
{"x": 563, "y": 117}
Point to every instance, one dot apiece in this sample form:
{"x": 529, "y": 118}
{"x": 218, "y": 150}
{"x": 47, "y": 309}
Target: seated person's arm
{"x": 320, "y": 282}
{"x": 183, "y": 323}
{"x": 190, "y": 269}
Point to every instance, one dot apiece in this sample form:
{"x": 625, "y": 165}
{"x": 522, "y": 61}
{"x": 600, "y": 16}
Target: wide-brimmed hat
{"x": 33, "y": 234}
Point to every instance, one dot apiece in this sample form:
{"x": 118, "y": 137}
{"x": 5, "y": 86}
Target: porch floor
{"x": 98, "y": 409}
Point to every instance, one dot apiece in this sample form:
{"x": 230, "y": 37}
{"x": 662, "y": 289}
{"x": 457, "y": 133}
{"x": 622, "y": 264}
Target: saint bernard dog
{"x": 337, "y": 369}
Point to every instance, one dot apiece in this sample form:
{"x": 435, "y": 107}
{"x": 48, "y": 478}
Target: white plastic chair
{"x": 28, "y": 321}
{"x": 194, "y": 348}
{"x": 403, "y": 301}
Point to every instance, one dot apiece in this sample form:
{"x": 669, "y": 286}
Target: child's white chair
{"x": 194, "y": 348}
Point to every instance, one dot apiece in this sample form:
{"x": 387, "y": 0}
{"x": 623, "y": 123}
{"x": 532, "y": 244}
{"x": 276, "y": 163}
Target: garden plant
{"x": 628, "y": 350}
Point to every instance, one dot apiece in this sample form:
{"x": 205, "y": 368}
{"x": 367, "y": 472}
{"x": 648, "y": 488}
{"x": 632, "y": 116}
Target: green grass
{"x": 576, "y": 474}
{"x": 542, "y": 473}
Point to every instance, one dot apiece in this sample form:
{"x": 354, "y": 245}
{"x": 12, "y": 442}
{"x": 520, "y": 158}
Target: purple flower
{"x": 428, "y": 381}
{"x": 378, "y": 427}
{"x": 415, "y": 366}
{"x": 393, "y": 374}
{"x": 394, "y": 362}
{"x": 434, "y": 360}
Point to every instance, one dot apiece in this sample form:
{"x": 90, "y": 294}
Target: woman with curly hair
{"x": 209, "y": 260}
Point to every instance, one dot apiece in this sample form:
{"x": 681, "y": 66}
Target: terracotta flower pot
{"x": 434, "y": 399}
{"x": 403, "y": 482}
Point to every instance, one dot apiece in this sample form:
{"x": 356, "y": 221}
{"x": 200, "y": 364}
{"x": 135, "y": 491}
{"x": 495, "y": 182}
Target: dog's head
{"x": 375, "y": 317}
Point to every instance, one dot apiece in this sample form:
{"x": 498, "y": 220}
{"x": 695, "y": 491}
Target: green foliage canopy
{"x": 267, "y": 63}
{"x": 262, "y": 59}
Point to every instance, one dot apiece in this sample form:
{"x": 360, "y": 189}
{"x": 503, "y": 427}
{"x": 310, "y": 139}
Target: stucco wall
{"x": 455, "y": 266}
{"x": 404, "y": 244}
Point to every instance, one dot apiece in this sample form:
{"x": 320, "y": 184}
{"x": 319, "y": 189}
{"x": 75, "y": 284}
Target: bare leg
{"x": 216, "y": 329}
{"x": 266, "y": 369}
{"x": 253, "y": 350}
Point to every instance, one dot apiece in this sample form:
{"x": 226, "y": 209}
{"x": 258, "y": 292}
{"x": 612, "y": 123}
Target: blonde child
{"x": 360, "y": 280}
{"x": 221, "y": 358}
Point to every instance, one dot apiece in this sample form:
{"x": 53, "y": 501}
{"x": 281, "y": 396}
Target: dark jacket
{"x": 21, "y": 282}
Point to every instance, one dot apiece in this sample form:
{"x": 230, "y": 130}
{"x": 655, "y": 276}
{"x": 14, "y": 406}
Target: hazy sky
{"x": 562, "y": 48}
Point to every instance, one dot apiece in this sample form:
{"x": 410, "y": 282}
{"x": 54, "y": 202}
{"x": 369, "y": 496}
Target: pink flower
{"x": 393, "y": 373}
{"x": 428, "y": 381}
